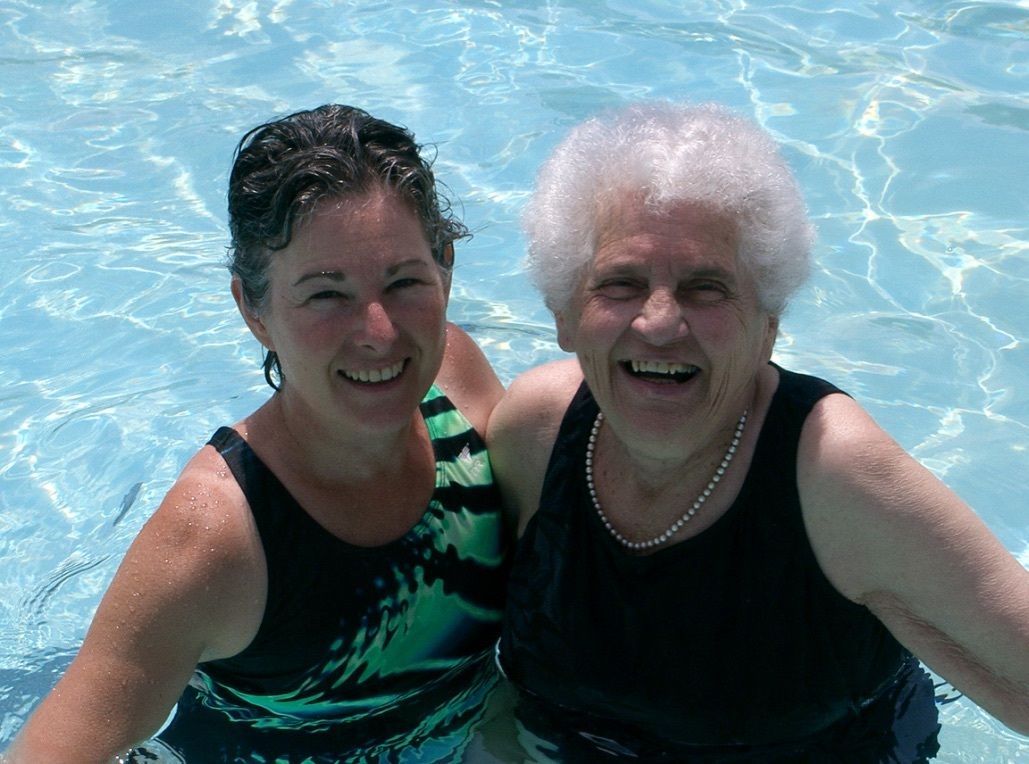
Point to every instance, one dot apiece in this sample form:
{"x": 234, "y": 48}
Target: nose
{"x": 375, "y": 328}
{"x": 661, "y": 320}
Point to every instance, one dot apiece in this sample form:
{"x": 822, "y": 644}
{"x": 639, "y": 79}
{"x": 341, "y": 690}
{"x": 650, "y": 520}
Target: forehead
{"x": 369, "y": 213}
{"x": 374, "y": 224}
{"x": 629, "y": 227}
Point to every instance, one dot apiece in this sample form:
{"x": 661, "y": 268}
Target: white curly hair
{"x": 670, "y": 154}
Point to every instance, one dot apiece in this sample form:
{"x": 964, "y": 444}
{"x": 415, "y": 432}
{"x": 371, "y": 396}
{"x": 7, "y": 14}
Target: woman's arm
{"x": 468, "y": 379}
{"x": 191, "y": 587}
{"x": 892, "y": 537}
{"x": 522, "y": 431}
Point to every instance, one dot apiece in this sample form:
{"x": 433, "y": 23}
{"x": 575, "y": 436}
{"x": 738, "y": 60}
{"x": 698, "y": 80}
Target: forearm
{"x": 86, "y": 721}
{"x": 36, "y": 746}
{"x": 999, "y": 686}
{"x": 40, "y": 743}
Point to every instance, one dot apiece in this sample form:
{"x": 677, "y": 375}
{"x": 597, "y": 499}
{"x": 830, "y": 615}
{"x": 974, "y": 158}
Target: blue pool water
{"x": 906, "y": 123}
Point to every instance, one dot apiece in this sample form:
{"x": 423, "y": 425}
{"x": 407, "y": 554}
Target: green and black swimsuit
{"x": 383, "y": 648}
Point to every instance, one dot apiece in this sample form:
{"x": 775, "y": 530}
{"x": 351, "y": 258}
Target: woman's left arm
{"x": 892, "y": 537}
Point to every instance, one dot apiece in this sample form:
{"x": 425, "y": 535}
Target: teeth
{"x": 661, "y": 367}
{"x": 375, "y": 375}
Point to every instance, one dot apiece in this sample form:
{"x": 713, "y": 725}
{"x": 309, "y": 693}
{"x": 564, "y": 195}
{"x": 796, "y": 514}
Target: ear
{"x": 565, "y": 334}
{"x": 448, "y": 269}
{"x": 447, "y": 261}
{"x": 771, "y": 333}
{"x": 253, "y": 320}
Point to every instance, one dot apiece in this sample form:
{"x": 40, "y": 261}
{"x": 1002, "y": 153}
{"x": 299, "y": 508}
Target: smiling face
{"x": 666, "y": 324}
{"x": 356, "y": 311}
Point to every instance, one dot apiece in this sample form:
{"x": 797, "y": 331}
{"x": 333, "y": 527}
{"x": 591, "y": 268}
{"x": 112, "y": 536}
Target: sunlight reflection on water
{"x": 906, "y": 126}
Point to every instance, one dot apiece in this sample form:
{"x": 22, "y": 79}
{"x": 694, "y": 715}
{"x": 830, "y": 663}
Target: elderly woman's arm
{"x": 892, "y": 537}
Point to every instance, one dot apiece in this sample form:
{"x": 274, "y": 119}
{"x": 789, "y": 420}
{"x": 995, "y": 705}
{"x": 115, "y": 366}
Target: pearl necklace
{"x": 686, "y": 516}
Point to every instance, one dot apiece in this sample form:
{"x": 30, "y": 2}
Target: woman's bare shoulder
{"x": 203, "y": 547}
{"x": 536, "y": 400}
{"x": 522, "y": 431}
{"x": 468, "y": 379}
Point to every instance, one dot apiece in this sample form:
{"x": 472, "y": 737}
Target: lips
{"x": 661, "y": 371}
{"x": 373, "y": 376}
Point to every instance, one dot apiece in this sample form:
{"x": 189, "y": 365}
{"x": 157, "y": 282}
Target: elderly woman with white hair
{"x": 720, "y": 559}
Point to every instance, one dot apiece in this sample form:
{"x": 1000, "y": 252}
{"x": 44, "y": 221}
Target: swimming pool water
{"x": 906, "y": 123}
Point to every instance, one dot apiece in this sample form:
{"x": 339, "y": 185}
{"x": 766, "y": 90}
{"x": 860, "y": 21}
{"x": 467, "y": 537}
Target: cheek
{"x": 718, "y": 328}
{"x": 597, "y": 373}
{"x": 305, "y": 334}
{"x": 602, "y": 322}
{"x": 429, "y": 317}
{"x": 754, "y": 339}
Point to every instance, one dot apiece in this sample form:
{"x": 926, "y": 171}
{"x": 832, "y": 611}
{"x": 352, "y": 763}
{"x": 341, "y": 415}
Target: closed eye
{"x": 618, "y": 288}
{"x": 404, "y": 283}
{"x": 707, "y": 291}
{"x": 325, "y": 294}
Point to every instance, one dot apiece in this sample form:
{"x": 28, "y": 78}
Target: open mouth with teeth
{"x": 660, "y": 371}
{"x": 374, "y": 376}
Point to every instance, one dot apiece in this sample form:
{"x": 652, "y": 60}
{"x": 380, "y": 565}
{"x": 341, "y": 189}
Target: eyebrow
{"x": 714, "y": 272}
{"x": 703, "y": 271}
{"x": 331, "y": 275}
{"x": 339, "y": 276}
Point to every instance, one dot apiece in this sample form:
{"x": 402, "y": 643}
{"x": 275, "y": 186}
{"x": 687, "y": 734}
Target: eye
{"x": 325, "y": 299}
{"x": 617, "y": 288}
{"x": 706, "y": 291}
{"x": 404, "y": 283}
{"x": 325, "y": 294}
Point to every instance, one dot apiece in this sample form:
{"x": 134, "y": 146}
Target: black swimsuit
{"x": 731, "y": 642}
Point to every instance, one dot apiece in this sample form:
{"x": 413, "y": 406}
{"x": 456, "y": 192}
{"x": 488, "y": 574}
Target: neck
{"x": 327, "y": 454}
{"x": 653, "y": 471}
{"x": 668, "y": 531}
